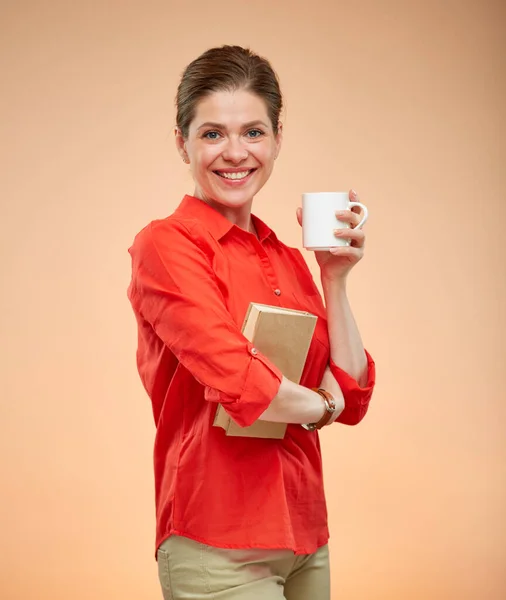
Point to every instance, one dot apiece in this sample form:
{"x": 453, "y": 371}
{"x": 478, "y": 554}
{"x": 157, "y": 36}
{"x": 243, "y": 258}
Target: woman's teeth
{"x": 239, "y": 175}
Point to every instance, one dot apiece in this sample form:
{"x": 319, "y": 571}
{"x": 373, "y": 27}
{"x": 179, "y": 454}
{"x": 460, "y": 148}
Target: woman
{"x": 239, "y": 518}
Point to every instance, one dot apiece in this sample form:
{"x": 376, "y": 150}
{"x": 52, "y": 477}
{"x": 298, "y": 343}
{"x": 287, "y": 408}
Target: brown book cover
{"x": 283, "y": 335}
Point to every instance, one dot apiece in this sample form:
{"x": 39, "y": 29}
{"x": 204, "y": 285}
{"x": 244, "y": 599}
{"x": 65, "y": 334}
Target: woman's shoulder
{"x": 170, "y": 230}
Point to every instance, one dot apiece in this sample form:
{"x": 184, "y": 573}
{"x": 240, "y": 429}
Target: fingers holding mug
{"x": 354, "y": 235}
{"x": 365, "y": 213}
{"x": 356, "y": 206}
{"x": 350, "y": 217}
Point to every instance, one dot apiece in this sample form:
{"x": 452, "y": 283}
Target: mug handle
{"x": 365, "y": 211}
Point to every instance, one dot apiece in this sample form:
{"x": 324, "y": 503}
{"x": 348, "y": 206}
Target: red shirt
{"x": 193, "y": 277}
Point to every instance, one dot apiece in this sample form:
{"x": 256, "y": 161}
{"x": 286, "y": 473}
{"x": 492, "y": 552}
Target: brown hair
{"x": 227, "y": 68}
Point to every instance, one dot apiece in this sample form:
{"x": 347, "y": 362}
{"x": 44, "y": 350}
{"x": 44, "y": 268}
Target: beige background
{"x": 403, "y": 100}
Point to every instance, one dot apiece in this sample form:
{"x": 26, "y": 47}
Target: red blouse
{"x": 193, "y": 277}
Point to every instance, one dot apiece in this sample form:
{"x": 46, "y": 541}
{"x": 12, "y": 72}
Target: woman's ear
{"x": 181, "y": 145}
{"x": 279, "y": 139}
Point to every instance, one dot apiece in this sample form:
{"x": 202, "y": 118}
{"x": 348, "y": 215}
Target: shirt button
{"x": 277, "y": 292}
{"x": 254, "y": 351}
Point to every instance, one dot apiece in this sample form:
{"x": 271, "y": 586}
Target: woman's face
{"x": 231, "y": 148}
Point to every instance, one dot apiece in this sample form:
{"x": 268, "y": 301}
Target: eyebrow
{"x": 221, "y": 126}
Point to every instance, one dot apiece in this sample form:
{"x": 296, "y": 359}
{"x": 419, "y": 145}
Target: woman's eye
{"x": 211, "y": 135}
{"x": 255, "y": 133}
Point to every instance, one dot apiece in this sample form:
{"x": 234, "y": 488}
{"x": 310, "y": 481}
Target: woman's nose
{"x": 235, "y": 151}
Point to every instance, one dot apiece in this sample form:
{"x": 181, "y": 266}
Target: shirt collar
{"x": 216, "y": 223}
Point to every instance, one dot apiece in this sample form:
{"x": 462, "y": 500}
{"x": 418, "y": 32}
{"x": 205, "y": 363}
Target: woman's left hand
{"x": 337, "y": 262}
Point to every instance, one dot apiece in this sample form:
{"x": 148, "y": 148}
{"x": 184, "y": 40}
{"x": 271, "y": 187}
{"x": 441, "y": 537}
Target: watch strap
{"x": 330, "y": 409}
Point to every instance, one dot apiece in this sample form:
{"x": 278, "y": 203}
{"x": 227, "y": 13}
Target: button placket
{"x": 268, "y": 270}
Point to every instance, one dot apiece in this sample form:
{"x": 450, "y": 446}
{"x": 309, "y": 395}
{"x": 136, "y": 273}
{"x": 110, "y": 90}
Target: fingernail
{"x": 340, "y": 213}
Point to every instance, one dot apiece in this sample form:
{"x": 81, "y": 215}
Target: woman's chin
{"x": 235, "y": 196}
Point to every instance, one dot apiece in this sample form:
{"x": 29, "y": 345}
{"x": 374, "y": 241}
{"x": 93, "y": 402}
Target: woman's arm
{"x": 346, "y": 348}
{"x": 175, "y": 290}
{"x": 298, "y": 404}
{"x": 350, "y": 364}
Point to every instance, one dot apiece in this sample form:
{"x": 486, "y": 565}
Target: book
{"x": 283, "y": 335}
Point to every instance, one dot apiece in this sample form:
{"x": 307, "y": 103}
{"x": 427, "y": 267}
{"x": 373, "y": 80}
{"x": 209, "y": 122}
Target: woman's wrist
{"x": 333, "y": 285}
{"x": 320, "y": 408}
{"x": 331, "y": 411}
{"x": 330, "y": 384}
{"x": 300, "y": 405}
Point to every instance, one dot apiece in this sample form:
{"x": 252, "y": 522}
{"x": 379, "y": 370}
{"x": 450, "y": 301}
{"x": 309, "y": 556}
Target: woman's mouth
{"x": 235, "y": 177}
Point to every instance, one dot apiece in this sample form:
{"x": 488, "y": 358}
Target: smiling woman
{"x": 231, "y": 146}
{"x": 238, "y": 517}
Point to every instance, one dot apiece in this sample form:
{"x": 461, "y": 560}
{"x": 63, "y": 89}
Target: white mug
{"x": 319, "y": 219}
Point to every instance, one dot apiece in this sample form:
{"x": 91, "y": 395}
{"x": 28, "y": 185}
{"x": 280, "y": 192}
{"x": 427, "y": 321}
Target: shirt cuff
{"x": 356, "y": 398}
{"x": 261, "y": 385}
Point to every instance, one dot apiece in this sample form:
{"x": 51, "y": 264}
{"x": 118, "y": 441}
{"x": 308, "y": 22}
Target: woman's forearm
{"x": 294, "y": 404}
{"x": 346, "y": 348}
{"x": 298, "y": 404}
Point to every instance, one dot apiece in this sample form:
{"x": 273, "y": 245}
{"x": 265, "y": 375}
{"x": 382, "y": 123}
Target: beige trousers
{"x": 189, "y": 570}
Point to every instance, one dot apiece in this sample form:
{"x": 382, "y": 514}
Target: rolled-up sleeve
{"x": 356, "y": 398}
{"x": 176, "y": 291}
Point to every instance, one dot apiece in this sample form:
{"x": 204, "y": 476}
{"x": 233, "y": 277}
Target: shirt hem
{"x": 201, "y": 540}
